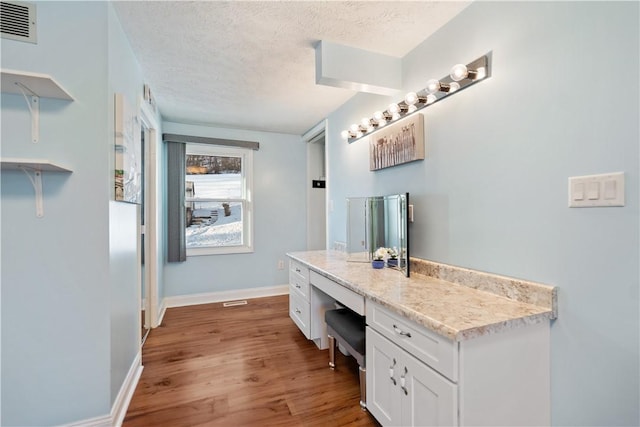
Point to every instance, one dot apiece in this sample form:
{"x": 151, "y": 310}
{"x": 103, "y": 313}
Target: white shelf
{"x": 32, "y": 164}
{"x": 41, "y": 85}
{"x": 33, "y": 168}
{"x": 33, "y": 86}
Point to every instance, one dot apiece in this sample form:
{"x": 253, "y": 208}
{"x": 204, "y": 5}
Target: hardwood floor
{"x": 242, "y": 366}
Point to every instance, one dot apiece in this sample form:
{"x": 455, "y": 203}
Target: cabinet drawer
{"x": 298, "y": 269}
{"x": 298, "y": 284}
{"x": 299, "y": 312}
{"x": 338, "y": 292}
{"x": 436, "y": 351}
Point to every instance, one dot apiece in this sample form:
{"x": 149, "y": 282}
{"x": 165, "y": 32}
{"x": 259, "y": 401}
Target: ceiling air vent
{"x": 18, "y": 21}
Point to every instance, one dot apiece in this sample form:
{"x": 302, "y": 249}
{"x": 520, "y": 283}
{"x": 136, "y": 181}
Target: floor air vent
{"x": 234, "y": 303}
{"x": 18, "y": 21}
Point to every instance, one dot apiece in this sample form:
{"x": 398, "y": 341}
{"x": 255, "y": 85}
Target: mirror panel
{"x": 357, "y": 230}
{"x": 378, "y": 221}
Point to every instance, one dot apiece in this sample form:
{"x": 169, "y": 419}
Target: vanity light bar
{"x": 461, "y": 77}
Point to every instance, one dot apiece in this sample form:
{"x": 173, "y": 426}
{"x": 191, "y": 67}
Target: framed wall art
{"x": 397, "y": 143}
{"x": 128, "y": 155}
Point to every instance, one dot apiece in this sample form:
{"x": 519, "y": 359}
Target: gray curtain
{"x": 176, "y": 171}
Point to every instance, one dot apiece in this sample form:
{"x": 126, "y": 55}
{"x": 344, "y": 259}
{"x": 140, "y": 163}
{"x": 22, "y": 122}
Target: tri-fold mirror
{"x": 378, "y": 222}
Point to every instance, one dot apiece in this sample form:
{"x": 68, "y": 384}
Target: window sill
{"x": 219, "y": 251}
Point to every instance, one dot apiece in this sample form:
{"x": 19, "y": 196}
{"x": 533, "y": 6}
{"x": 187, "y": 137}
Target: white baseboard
{"x": 103, "y": 421}
{"x": 208, "y": 298}
{"x": 163, "y": 310}
{"x": 121, "y": 404}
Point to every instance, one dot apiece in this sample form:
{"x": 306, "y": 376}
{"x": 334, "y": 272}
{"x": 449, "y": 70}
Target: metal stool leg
{"x": 332, "y": 352}
{"x": 363, "y": 387}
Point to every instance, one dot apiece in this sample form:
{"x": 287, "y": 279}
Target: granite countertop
{"x": 455, "y": 311}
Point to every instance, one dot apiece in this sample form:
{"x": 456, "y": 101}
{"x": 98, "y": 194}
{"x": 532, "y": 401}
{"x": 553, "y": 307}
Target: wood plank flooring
{"x": 242, "y": 366}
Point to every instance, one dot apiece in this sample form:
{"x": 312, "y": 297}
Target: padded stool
{"x": 348, "y": 328}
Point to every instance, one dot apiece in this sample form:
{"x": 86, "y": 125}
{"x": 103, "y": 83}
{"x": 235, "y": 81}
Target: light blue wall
{"x": 70, "y": 308}
{"x": 492, "y": 192}
{"x": 125, "y": 77}
{"x": 280, "y": 186}
{"x": 55, "y": 270}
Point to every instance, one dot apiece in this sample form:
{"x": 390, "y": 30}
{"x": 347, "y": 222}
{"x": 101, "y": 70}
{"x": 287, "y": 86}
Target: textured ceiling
{"x": 251, "y": 64}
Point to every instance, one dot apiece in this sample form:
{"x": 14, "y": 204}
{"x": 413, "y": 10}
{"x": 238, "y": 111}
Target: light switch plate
{"x": 596, "y": 190}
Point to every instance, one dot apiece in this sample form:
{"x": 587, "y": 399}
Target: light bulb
{"x": 354, "y": 128}
{"x": 459, "y": 72}
{"x": 431, "y": 98}
{"x": 382, "y": 122}
{"x": 393, "y": 109}
{"x": 365, "y": 122}
{"x": 378, "y": 115}
{"x": 411, "y": 98}
{"x": 345, "y": 134}
{"x": 433, "y": 86}
{"x": 395, "y": 116}
{"x": 412, "y": 108}
{"x": 371, "y": 128}
{"x": 358, "y": 134}
{"x": 453, "y": 86}
{"x": 481, "y": 73}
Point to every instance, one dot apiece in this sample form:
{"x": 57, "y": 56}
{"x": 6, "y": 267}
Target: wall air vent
{"x": 18, "y": 21}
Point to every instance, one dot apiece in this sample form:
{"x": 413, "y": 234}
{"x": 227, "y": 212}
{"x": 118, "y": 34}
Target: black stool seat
{"x": 349, "y": 326}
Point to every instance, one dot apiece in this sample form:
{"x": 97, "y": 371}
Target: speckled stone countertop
{"x": 458, "y": 312}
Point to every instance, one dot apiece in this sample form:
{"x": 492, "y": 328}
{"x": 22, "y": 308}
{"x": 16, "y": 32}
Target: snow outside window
{"x": 218, "y": 186}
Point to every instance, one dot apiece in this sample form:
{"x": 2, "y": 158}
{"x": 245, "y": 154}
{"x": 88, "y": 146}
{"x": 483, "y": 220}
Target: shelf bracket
{"x": 33, "y": 102}
{"x": 36, "y": 181}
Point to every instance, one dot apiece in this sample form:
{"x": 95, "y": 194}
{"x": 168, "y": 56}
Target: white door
{"x": 428, "y": 399}
{"x": 383, "y": 379}
{"x": 149, "y": 263}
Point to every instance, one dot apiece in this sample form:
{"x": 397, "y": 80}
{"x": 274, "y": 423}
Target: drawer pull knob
{"x": 297, "y": 286}
{"x": 402, "y": 381}
{"x": 401, "y": 332}
{"x": 297, "y": 270}
{"x": 393, "y": 380}
{"x": 298, "y": 311}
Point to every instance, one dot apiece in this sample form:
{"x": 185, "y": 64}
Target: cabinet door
{"x": 299, "y": 312}
{"x": 428, "y": 399}
{"x": 383, "y": 372}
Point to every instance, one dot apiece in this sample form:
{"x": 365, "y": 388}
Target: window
{"x": 214, "y": 159}
{"x": 218, "y": 205}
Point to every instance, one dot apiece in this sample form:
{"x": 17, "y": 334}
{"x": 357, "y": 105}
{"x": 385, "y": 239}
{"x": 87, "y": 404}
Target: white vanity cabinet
{"x": 308, "y": 303}
{"x": 311, "y": 295}
{"x": 416, "y": 377}
{"x": 402, "y": 390}
{"x": 438, "y": 353}
{"x": 299, "y": 306}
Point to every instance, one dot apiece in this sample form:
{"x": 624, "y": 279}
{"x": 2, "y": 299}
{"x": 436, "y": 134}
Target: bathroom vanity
{"x": 446, "y": 346}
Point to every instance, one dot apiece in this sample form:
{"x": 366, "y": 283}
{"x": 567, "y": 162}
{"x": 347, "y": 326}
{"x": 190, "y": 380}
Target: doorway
{"x": 316, "y": 189}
